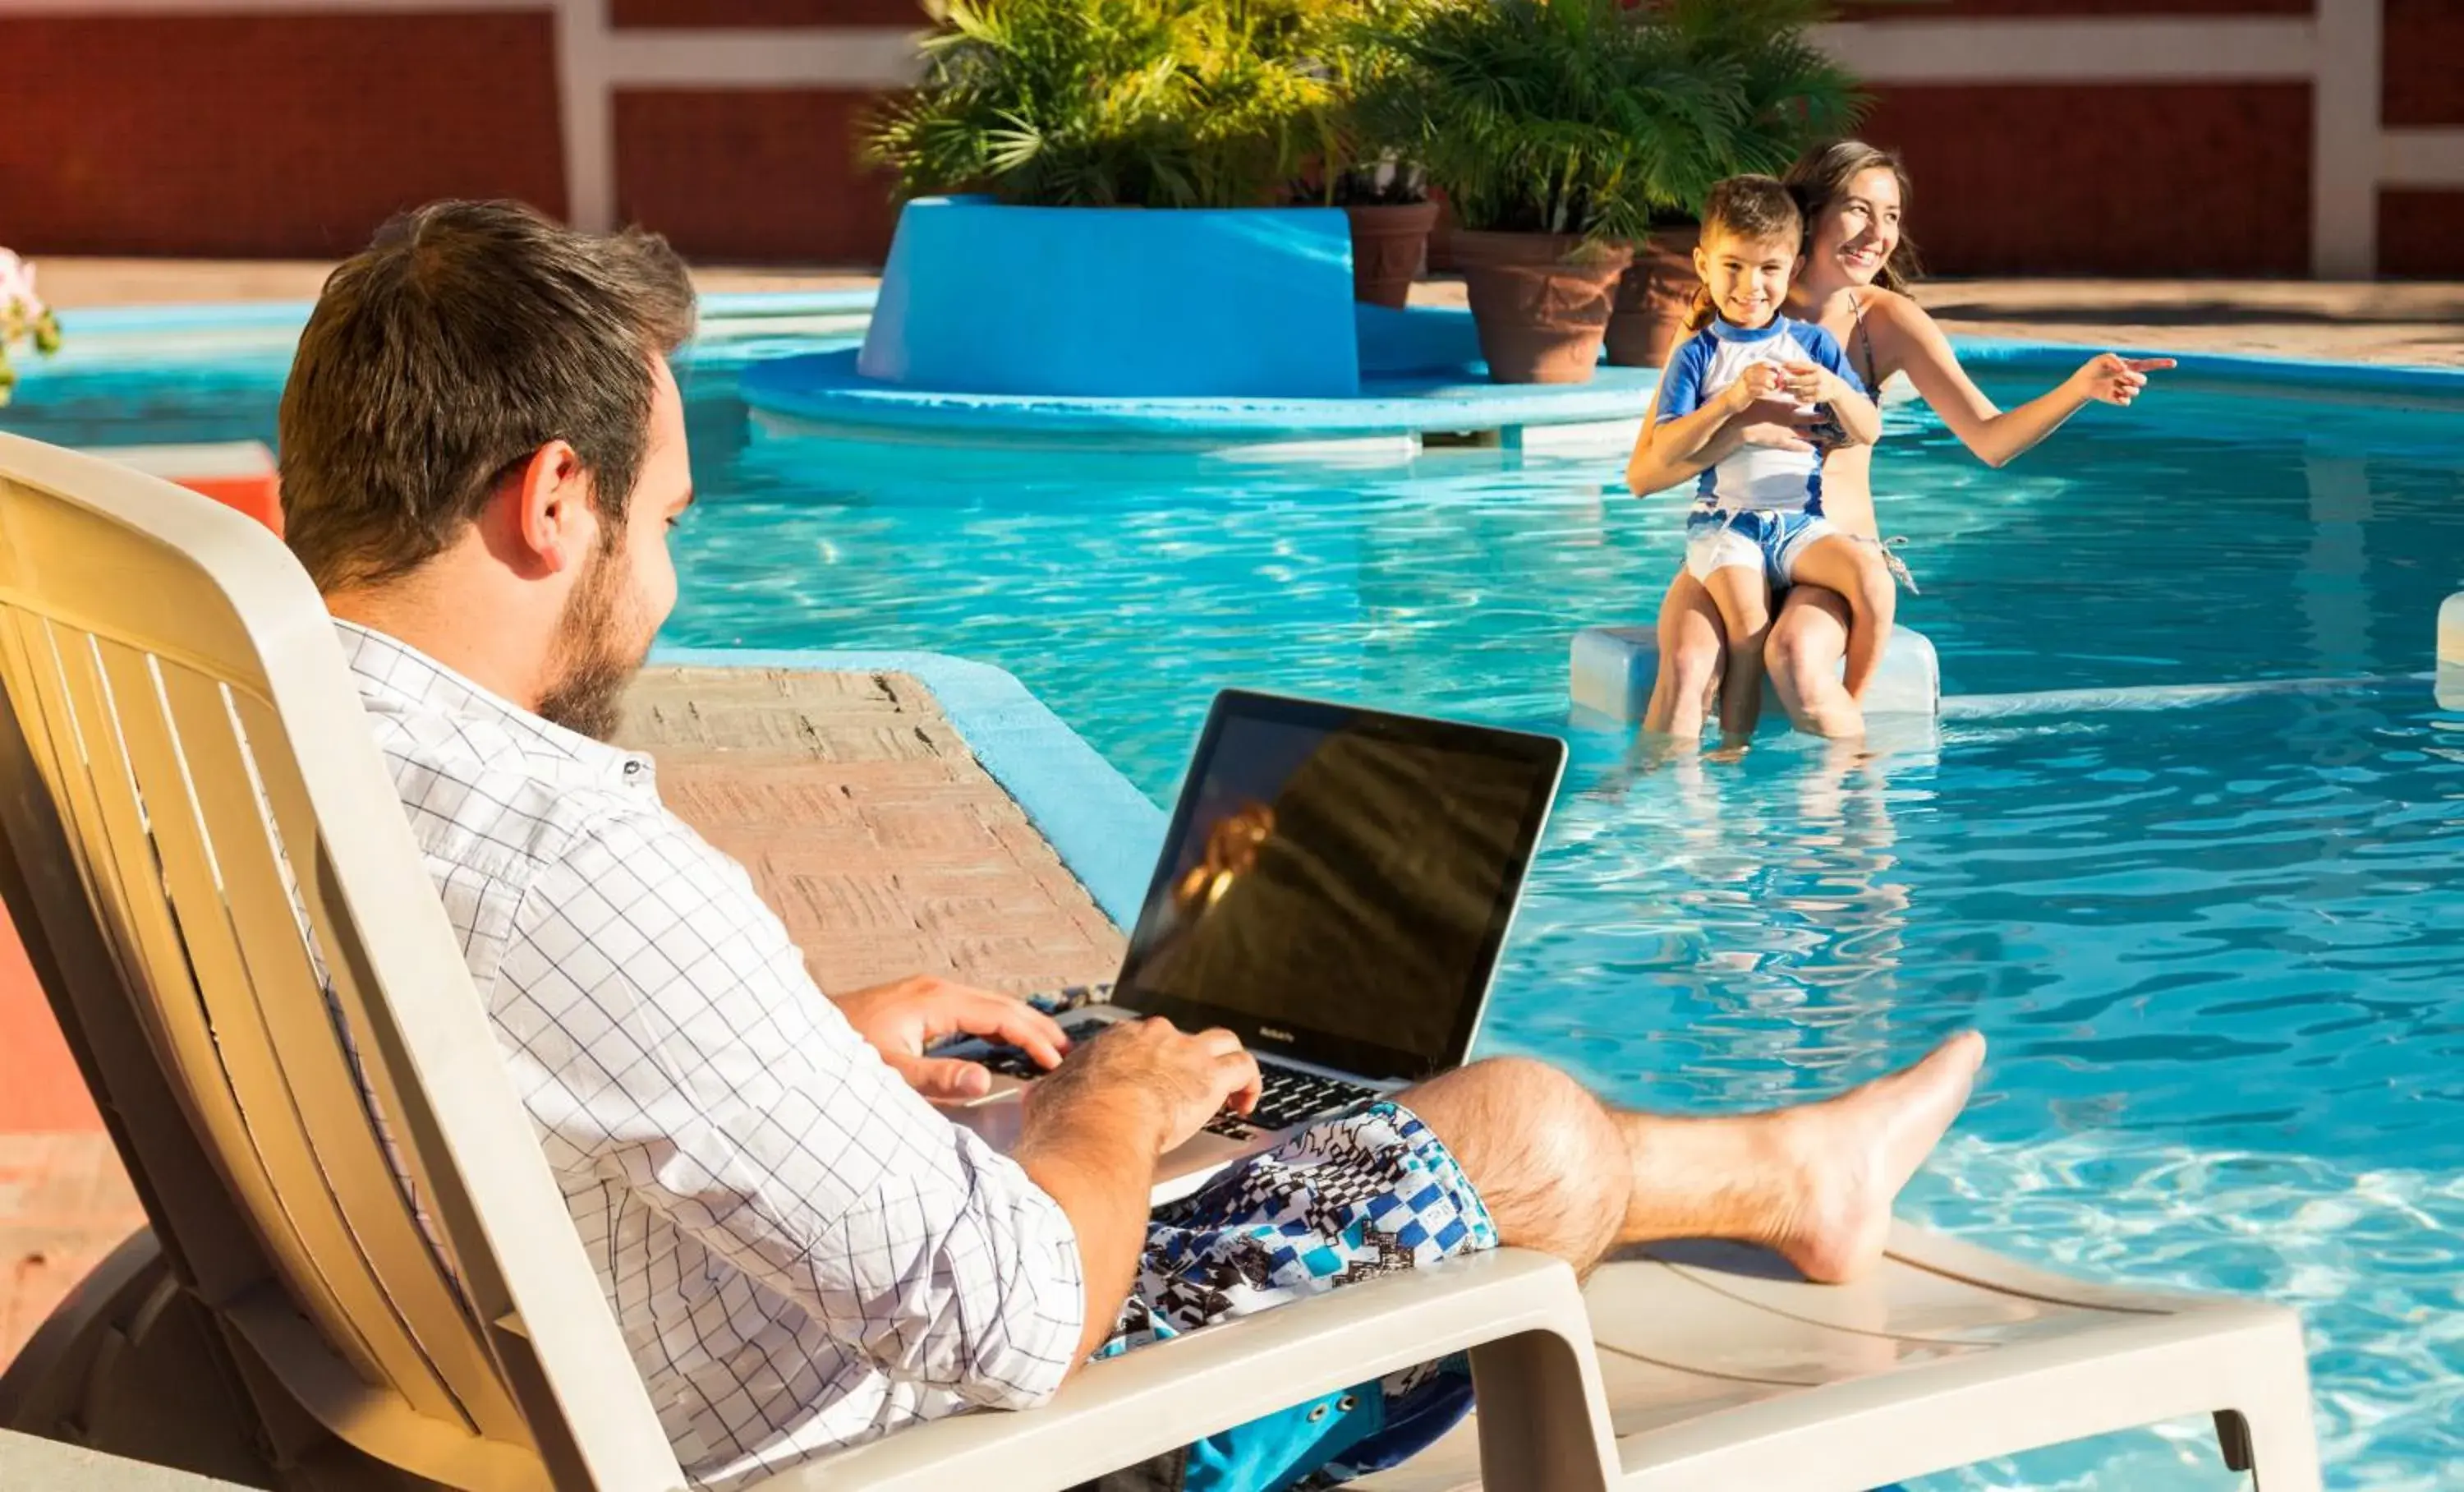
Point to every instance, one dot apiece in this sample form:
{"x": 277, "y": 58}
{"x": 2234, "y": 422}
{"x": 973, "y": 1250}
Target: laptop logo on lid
{"x": 1274, "y": 1033}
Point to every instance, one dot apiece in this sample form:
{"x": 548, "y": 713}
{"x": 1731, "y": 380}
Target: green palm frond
{"x": 1579, "y": 116}
{"x": 1158, "y": 102}
{"x": 1555, "y": 116}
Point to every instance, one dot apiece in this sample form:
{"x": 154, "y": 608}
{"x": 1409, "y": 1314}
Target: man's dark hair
{"x": 438, "y": 359}
{"x": 1759, "y": 209}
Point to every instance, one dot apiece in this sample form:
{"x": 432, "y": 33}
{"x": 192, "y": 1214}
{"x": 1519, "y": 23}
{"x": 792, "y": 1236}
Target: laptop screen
{"x": 1337, "y": 882}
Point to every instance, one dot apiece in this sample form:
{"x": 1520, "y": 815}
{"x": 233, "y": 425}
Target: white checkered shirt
{"x": 802, "y": 1252}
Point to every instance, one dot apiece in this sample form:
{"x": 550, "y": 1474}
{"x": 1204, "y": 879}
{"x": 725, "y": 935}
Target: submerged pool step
{"x": 1614, "y": 669}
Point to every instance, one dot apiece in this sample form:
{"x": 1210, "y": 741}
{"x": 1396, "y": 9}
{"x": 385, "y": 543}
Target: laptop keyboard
{"x": 1290, "y": 1097}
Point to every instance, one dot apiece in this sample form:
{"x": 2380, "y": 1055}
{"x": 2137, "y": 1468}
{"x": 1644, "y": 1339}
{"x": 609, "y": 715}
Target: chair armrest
{"x": 1126, "y": 1408}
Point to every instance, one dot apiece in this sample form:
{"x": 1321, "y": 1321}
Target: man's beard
{"x": 592, "y": 661}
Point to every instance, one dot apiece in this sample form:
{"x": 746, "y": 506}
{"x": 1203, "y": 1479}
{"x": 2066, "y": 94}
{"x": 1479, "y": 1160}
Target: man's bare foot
{"x": 1853, "y": 1154}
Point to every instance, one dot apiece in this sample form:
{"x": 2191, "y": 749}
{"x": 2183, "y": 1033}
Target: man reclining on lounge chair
{"x": 483, "y": 451}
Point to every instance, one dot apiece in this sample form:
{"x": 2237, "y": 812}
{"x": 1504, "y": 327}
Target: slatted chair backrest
{"x": 199, "y": 807}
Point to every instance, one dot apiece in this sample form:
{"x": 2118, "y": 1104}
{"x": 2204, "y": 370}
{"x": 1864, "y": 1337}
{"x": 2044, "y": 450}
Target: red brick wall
{"x": 2183, "y": 179}
{"x": 277, "y": 135}
{"x": 2421, "y": 234}
{"x": 751, "y": 175}
{"x": 2423, "y": 64}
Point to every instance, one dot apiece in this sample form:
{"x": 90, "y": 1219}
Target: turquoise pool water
{"x": 2217, "y": 949}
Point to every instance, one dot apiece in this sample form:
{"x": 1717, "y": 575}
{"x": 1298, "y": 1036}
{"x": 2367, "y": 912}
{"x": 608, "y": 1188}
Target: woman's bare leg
{"x": 1692, "y": 649}
{"x": 1803, "y": 653}
{"x": 1858, "y": 571}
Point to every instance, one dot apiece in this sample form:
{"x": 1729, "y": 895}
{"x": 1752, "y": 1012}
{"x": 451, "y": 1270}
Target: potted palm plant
{"x": 24, "y": 317}
{"x": 1388, "y": 204}
{"x": 1789, "y": 94}
{"x": 1555, "y": 127}
{"x": 1153, "y": 103}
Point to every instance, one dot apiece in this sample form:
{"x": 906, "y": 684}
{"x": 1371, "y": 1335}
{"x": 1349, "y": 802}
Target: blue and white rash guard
{"x": 1756, "y": 479}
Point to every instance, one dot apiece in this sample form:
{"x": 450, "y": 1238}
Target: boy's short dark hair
{"x": 465, "y": 337}
{"x": 1760, "y": 208}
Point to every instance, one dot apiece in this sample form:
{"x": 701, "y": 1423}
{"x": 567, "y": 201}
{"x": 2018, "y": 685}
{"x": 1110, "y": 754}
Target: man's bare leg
{"x": 1561, "y": 1172}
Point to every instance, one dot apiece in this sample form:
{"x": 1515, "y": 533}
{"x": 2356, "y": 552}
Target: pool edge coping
{"x": 1103, "y": 829}
{"x": 2267, "y": 369}
{"x": 268, "y": 315}
{"x": 758, "y": 305}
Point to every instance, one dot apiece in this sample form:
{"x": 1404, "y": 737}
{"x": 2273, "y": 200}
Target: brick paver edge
{"x": 1104, "y": 829}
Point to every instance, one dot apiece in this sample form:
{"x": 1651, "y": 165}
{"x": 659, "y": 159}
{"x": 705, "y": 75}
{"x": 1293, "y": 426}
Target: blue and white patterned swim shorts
{"x": 1368, "y": 1193}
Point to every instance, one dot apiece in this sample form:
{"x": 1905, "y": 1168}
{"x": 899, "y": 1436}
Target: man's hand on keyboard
{"x": 901, "y": 1021}
{"x": 1174, "y": 1080}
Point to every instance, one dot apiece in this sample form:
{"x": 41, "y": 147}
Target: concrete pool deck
{"x": 2405, "y": 323}
{"x": 862, "y": 814}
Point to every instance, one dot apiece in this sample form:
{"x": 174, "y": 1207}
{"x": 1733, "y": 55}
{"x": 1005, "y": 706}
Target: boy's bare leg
{"x": 1561, "y": 1172}
{"x": 1858, "y": 571}
{"x": 1691, "y": 649}
{"x": 1743, "y": 596}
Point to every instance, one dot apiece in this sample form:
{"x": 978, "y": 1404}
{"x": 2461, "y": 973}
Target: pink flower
{"x": 17, "y": 287}
{"x": 23, "y": 317}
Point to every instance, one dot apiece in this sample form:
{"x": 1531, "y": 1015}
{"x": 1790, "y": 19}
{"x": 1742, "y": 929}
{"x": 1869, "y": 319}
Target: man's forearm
{"x": 1098, "y": 1160}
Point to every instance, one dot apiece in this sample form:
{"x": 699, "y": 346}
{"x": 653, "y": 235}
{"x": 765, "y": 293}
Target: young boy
{"x": 1732, "y": 407}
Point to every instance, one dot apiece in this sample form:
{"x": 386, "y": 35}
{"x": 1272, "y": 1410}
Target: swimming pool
{"x": 2216, "y": 949}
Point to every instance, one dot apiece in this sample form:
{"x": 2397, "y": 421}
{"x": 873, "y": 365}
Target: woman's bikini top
{"x": 1866, "y": 346}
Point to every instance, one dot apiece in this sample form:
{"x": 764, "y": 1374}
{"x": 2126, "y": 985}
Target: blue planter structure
{"x": 1116, "y": 303}
{"x": 1159, "y": 330}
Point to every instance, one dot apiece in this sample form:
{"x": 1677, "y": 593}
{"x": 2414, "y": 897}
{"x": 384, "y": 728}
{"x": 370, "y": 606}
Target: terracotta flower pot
{"x": 1541, "y": 302}
{"x": 1388, "y": 245}
{"x": 1653, "y": 298}
{"x": 1442, "y": 235}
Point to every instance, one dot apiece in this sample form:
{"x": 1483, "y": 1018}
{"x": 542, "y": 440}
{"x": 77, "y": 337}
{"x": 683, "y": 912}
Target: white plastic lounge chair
{"x": 178, "y": 715}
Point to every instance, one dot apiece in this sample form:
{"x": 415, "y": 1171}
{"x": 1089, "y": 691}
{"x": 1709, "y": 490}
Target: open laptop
{"x": 1334, "y": 888}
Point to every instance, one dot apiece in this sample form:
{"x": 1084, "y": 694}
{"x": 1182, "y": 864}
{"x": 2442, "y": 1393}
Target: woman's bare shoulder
{"x": 1894, "y": 310}
{"x": 1905, "y": 332}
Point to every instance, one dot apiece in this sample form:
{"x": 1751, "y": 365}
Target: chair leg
{"x": 2274, "y": 1437}
{"x": 1534, "y": 1410}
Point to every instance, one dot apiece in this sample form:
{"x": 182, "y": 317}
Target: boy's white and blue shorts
{"x": 1718, "y": 537}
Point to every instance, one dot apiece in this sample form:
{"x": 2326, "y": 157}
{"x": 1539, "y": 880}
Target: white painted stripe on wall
{"x": 2344, "y": 142}
{"x": 2421, "y": 158}
{"x": 2073, "y": 51}
{"x": 851, "y": 57}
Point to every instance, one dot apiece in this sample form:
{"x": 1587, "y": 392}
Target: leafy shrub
{"x": 1555, "y": 116}
{"x": 1113, "y": 103}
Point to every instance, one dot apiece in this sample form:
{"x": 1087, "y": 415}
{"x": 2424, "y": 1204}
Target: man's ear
{"x": 549, "y": 519}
